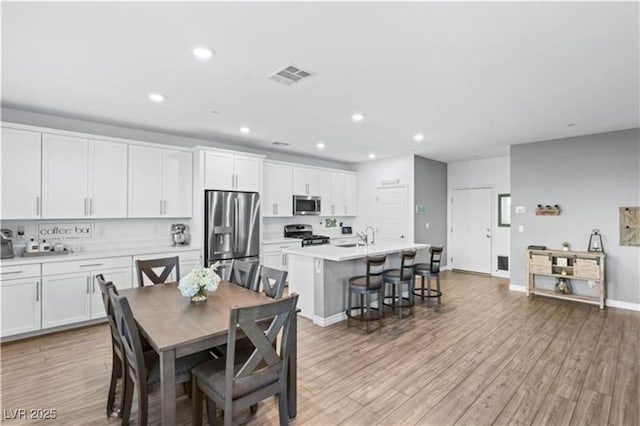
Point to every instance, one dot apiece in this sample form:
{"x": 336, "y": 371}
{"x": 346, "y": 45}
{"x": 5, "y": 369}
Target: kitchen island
{"x": 319, "y": 274}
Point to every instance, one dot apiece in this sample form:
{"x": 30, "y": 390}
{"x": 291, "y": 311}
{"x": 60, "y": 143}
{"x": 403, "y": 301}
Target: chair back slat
{"x": 265, "y": 359}
{"x": 436, "y": 258}
{"x": 105, "y": 287}
{"x": 243, "y": 274}
{"x": 406, "y": 264}
{"x": 271, "y": 281}
{"x": 129, "y": 336}
{"x": 146, "y": 268}
{"x": 375, "y": 268}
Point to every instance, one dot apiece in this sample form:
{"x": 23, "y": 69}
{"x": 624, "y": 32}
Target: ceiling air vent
{"x": 289, "y": 75}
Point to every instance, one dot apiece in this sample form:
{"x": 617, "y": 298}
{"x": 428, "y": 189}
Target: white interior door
{"x": 391, "y": 218}
{"x": 471, "y": 229}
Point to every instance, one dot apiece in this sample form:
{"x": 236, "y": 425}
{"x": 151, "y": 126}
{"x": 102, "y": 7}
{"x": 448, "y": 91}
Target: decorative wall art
{"x": 630, "y": 226}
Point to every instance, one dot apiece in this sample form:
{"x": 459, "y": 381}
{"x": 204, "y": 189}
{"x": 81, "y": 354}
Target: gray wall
{"x": 430, "y": 189}
{"x": 590, "y": 177}
{"x": 32, "y": 118}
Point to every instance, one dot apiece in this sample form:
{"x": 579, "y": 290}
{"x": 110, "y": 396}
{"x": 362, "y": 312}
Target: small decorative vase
{"x": 565, "y": 248}
{"x": 199, "y": 298}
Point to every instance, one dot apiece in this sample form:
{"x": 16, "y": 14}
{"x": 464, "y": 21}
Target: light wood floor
{"x": 485, "y": 356}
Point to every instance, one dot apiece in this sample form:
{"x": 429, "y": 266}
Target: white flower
{"x": 198, "y": 279}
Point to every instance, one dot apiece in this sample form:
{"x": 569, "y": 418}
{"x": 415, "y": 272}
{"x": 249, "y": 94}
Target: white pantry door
{"x": 471, "y": 229}
{"x": 391, "y": 214}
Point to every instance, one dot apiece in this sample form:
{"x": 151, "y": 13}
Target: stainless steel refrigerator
{"x": 232, "y": 228}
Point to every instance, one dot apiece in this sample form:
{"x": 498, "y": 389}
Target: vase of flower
{"x": 198, "y": 283}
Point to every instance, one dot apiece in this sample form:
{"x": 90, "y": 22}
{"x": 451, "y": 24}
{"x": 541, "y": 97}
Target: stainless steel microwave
{"x": 306, "y": 205}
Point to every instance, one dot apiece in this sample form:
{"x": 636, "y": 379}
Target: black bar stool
{"x": 427, "y": 270}
{"x": 365, "y": 285}
{"x": 398, "y": 278}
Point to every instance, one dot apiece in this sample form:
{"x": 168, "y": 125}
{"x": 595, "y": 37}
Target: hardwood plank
{"x": 625, "y": 403}
{"x": 555, "y": 410}
{"x": 592, "y": 408}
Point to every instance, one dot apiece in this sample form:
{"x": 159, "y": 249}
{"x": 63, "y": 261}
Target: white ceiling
{"x": 474, "y": 78}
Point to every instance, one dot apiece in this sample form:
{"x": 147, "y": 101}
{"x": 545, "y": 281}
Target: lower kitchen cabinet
{"x": 21, "y": 300}
{"x": 188, "y": 260}
{"x": 66, "y": 299}
{"x": 121, "y": 278}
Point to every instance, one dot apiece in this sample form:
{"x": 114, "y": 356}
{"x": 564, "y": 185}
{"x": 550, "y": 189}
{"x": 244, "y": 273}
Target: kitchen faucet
{"x": 373, "y": 234}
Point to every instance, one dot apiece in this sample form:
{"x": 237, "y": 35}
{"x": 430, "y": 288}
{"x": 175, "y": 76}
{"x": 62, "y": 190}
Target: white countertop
{"x": 98, "y": 253}
{"x": 339, "y": 254}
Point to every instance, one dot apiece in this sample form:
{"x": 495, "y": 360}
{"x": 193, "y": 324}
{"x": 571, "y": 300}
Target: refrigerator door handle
{"x": 236, "y": 219}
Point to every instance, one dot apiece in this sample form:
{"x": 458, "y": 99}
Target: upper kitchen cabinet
{"x": 177, "y": 183}
{"x": 306, "y": 181}
{"x": 351, "y": 194}
{"x": 160, "y": 182}
{"x": 277, "y": 194}
{"x": 339, "y": 193}
{"x": 107, "y": 179}
{"x": 82, "y": 178}
{"x": 228, "y": 171}
{"x": 20, "y": 159}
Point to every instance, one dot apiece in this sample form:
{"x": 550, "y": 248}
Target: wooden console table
{"x": 571, "y": 265}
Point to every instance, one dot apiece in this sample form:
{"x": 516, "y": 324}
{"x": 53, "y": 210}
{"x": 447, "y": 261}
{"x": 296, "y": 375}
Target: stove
{"x": 305, "y": 233}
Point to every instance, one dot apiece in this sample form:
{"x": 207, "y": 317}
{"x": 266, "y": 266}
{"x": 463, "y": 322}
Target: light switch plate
{"x": 521, "y": 210}
{"x": 521, "y": 228}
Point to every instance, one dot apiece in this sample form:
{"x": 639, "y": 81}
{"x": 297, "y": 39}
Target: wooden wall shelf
{"x": 576, "y": 265}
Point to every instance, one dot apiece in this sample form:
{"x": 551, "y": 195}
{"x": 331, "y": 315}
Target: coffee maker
{"x": 179, "y": 234}
{"x": 6, "y": 243}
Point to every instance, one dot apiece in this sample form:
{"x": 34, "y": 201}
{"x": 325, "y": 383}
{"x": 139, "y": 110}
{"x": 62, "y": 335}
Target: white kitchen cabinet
{"x": 277, "y": 193}
{"x": 64, "y": 177}
{"x": 273, "y": 257}
{"x": 21, "y": 300}
{"x": 306, "y": 181}
{"x": 351, "y": 194}
{"x": 177, "y": 183}
{"x": 20, "y": 159}
{"x": 160, "y": 182}
{"x": 107, "y": 174}
{"x": 227, "y": 171}
{"x": 82, "y": 178}
{"x": 66, "y": 299}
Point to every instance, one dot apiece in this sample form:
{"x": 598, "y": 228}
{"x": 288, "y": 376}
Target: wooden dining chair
{"x": 146, "y": 268}
{"x": 243, "y": 273}
{"x": 271, "y": 281}
{"x": 141, "y": 370}
{"x": 117, "y": 364}
{"x": 237, "y": 385}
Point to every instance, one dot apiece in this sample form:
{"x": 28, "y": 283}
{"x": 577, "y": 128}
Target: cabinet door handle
{"x": 160, "y": 207}
{"x": 276, "y": 208}
{"x": 11, "y": 272}
{"x": 37, "y": 205}
{"x": 85, "y": 206}
{"x": 165, "y": 207}
{"x": 345, "y": 209}
{"x": 91, "y": 206}
{"x": 37, "y": 291}
{"x": 284, "y": 259}
{"x": 88, "y": 283}
{"x": 93, "y": 290}
{"x": 90, "y": 264}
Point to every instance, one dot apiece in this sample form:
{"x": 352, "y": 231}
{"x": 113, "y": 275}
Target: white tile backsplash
{"x": 107, "y": 233}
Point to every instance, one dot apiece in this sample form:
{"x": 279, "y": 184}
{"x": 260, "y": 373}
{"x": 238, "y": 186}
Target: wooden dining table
{"x": 175, "y": 328}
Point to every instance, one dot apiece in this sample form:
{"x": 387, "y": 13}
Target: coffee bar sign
{"x": 65, "y": 231}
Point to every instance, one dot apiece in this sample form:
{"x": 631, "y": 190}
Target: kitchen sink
{"x": 347, "y": 245}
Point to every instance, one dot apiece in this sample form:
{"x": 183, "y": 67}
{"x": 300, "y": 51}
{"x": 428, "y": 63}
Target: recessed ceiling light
{"x": 279, "y": 143}
{"x": 418, "y": 137}
{"x": 156, "y": 97}
{"x": 357, "y": 116}
{"x": 372, "y": 156}
{"x": 320, "y": 145}
{"x": 244, "y": 129}
{"x": 202, "y": 53}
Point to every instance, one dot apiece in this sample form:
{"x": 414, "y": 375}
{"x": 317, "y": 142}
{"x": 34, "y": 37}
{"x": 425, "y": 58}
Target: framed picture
{"x": 504, "y": 210}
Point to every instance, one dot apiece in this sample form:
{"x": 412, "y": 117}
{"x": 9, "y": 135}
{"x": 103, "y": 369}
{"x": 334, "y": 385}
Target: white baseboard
{"x": 622, "y": 305}
{"x": 445, "y": 268}
{"x": 608, "y": 302}
{"x": 520, "y": 288}
{"x": 333, "y": 319}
